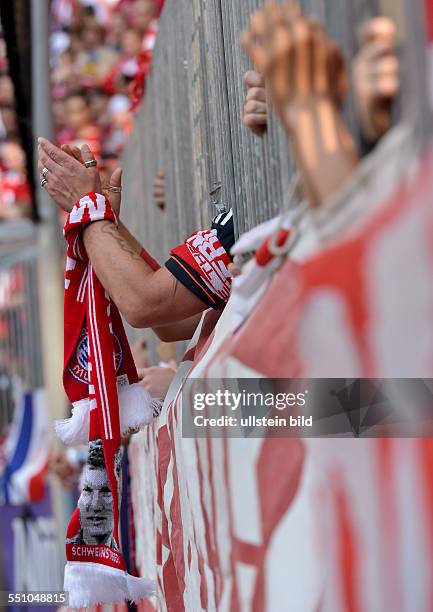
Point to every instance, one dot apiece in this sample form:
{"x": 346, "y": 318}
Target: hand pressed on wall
{"x": 297, "y": 60}
{"x": 156, "y": 380}
{"x": 61, "y": 467}
{"x": 307, "y": 82}
{"x": 159, "y": 189}
{"x": 255, "y": 116}
{"x": 376, "y": 76}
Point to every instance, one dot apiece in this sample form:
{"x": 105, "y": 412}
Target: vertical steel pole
{"x": 49, "y": 239}
{"x": 41, "y": 92}
{"x": 50, "y": 243}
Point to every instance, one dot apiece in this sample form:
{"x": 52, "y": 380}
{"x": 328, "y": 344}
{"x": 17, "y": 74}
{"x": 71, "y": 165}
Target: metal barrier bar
{"x": 20, "y": 341}
{"x": 190, "y": 122}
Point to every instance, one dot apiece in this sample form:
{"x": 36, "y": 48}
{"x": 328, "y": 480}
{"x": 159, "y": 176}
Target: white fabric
{"x": 90, "y": 583}
{"x": 137, "y": 409}
{"x": 215, "y": 483}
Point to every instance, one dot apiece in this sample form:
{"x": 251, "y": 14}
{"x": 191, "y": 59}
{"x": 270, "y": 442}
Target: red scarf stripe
{"x": 97, "y": 359}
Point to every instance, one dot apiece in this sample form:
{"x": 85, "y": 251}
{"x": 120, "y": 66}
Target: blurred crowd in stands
{"x": 101, "y": 52}
{"x": 15, "y": 195}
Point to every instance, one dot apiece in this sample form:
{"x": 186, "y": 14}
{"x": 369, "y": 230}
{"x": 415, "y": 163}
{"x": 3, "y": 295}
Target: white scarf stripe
{"x": 83, "y": 285}
{"x": 97, "y": 372}
{"x": 70, "y": 264}
{"x": 98, "y": 362}
{"x": 100, "y": 365}
{"x": 228, "y": 217}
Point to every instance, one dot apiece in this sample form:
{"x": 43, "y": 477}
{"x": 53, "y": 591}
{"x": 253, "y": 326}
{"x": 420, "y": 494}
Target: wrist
{"x": 323, "y": 147}
{"x": 90, "y": 208}
{"x": 96, "y": 225}
{"x": 315, "y": 109}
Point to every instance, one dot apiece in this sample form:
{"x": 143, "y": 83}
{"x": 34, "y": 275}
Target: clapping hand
{"x": 65, "y": 179}
{"x": 68, "y": 179}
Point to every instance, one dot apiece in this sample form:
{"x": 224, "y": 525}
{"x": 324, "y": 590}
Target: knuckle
{"x": 302, "y": 34}
{"x": 393, "y": 64}
{"x": 252, "y": 79}
{"x": 250, "y": 107}
{"x": 253, "y": 93}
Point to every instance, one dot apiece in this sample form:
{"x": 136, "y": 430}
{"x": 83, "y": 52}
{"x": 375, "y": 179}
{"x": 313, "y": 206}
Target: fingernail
{"x": 85, "y": 148}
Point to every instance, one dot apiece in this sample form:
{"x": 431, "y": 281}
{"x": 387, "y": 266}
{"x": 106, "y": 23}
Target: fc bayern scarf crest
{"x": 100, "y": 380}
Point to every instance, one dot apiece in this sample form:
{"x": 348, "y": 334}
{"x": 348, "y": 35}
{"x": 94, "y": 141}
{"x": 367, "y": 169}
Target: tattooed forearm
{"x": 109, "y": 229}
{"x": 145, "y": 297}
{"x": 175, "y": 283}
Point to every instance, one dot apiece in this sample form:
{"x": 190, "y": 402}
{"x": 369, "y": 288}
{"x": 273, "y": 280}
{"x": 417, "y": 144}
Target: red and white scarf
{"x": 100, "y": 380}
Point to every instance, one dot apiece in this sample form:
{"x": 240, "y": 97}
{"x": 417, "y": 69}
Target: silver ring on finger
{"x": 90, "y": 163}
{"x": 114, "y": 189}
{"x": 44, "y": 182}
{"x": 45, "y": 171}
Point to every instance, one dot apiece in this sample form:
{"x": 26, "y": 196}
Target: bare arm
{"x": 181, "y": 330}
{"x": 307, "y": 82}
{"x": 132, "y": 240}
{"x": 144, "y": 297}
{"x": 324, "y": 149}
{"x": 172, "y": 332}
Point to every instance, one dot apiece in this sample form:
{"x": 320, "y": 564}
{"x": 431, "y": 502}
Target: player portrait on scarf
{"x": 96, "y": 501}
{"x": 101, "y": 382}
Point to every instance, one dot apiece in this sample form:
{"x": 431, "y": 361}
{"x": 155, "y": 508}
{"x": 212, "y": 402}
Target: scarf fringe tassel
{"x": 137, "y": 409}
{"x": 90, "y": 584}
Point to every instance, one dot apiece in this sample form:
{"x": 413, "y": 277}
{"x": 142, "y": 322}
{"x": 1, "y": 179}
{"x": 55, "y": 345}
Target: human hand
{"x": 307, "y": 82}
{"x": 156, "y": 380}
{"x": 68, "y": 179}
{"x": 300, "y": 64}
{"x": 140, "y": 354}
{"x": 159, "y": 189}
{"x": 376, "y": 74}
{"x": 114, "y": 197}
{"x": 234, "y": 270}
{"x": 255, "y": 116}
{"x": 63, "y": 469}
